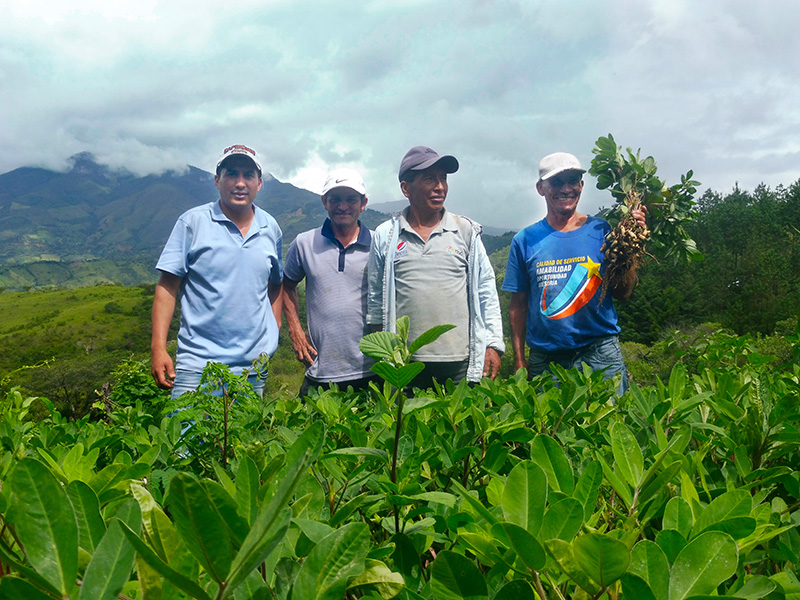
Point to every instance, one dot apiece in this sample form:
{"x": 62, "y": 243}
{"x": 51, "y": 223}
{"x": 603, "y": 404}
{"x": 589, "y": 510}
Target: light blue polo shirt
{"x": 226, "y": 315}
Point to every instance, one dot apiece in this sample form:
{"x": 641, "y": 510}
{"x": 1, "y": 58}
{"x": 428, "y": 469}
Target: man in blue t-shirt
{"x": 223, "y": 260}
{"x": 555, "y": 273}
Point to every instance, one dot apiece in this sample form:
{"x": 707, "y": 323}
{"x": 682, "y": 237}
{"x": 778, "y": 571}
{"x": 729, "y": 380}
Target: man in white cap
{"x": 223, "y": 260}
{"x": 554, "y": 273}
{"x": 333, "y": 261}
{"x": 431, "y": 265}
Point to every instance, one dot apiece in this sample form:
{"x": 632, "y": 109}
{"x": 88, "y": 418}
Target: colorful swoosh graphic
{"x": 583, "y": 282}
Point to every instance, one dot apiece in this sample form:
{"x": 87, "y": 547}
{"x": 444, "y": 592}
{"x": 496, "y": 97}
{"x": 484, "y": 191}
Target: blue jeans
{"x": 603, "y": 353}
{"x": 189, "y": 381}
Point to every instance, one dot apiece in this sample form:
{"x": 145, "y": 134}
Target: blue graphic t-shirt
{"x": 562, "y": 273}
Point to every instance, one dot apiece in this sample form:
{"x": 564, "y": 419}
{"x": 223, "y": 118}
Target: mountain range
{"x": 93, "y": 224}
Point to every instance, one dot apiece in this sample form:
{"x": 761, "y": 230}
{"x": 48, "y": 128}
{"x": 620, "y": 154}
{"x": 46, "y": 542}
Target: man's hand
{"x": 639, "y": 216}
{"x": 162, "y": 369}
{"x": 303, "y": 348}
{"x": 491, "y": 363}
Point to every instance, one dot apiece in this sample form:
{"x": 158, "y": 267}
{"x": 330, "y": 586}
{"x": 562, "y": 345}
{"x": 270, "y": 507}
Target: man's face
{"x": 344, "y": 206}
{"x": 238, "y": 182}
{"x": 427, "y": 192}
{"x": 562, "y": 192}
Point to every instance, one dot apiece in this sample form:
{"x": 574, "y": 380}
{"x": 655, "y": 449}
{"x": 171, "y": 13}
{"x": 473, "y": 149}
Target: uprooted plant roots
{"x": 624, "y": 249}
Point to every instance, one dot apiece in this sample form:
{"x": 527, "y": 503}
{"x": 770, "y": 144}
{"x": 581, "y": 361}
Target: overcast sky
{"x": 154, "y": 85}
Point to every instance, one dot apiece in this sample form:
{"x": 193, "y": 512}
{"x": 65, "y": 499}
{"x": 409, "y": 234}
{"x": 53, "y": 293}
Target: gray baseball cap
{"x": 420, "y": 158}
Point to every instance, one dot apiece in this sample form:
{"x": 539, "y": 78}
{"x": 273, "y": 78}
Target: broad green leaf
{"x": 702, "y": 565}
{"x": 91, "y": 527}
{"x": 627, "y": 454}
{"x": 756, "y": 587}
{"x": 200, "y": 525}
{"x": 45, "y": 523}
{"x": 524, "y": 544}
{"x": 622, "y": 488}
{"x": 247, "y": 486}
{"x": 455, "y": 577}
{"x": 655, "y": 486}
{"x": 177, "y": 579}
{"x": 649, "y": 562}
{"x": 636, "y": 588}
{"x": 159, "y": 530}
{"x": 677, "y": 383}
{"x": 405, "y": 559}
{"x": 562, "y": 553}
{"x": 427, "y": 337}
{"x": 588, "y": 487}
{"x": 562, "y": 520}
{"x": 225, "y": 506}
{"x": 483, "y": 546}
{"x": 549, "y": 455}
{"x": 13, "y": 588}
{"x": 224, "y": 479}
{"x": 379, "y": 345}
{"x": 252, "y": 588}
{"x": 525, "y": 496}
{"x": 738, "y": 527}
{"x": 671, "y": 542}
{"x": 517, "y": 589}
{"x": 678, "y": 516}
{"x": 730, "y": 505}
{"x": 272, "y": 522}
{"x": 113, "y": 559}
{"x": 351, "y": 451}
{"x": 399, "y": 377}
{"x": 382, "y": 578}
{"x": 313, "y": 530}
{"x": 603, "y": 558}
{"x": 332, "y": 562}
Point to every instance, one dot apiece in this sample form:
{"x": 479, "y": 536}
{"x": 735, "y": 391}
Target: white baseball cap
{"x": 553, "y": 164}
{"x": 344, "y": 177}
{"x": 238, "y": 149}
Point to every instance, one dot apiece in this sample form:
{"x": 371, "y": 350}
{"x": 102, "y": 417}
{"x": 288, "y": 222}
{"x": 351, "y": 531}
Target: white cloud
{"x": 316, "y": 84}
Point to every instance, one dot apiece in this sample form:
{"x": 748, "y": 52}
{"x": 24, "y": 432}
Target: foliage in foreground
{"x": 509, "y": 490}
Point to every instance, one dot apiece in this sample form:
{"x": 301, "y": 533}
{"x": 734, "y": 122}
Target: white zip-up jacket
{"x": 486, "y": 324}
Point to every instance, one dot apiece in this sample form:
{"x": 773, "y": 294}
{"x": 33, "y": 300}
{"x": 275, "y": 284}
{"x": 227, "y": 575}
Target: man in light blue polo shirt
{"x": 333, "y": 261}
{"x": 223, "y": 260}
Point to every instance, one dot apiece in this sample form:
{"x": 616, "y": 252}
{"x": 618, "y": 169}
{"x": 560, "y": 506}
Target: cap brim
{"x": 558, "y": 171}
{"x": 448, "y": 163}
{"x": 247, "y": 156}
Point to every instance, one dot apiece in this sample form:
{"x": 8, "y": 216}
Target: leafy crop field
{"x": 687, "y": 489}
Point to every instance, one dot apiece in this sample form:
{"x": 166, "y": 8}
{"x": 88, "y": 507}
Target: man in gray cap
{"x": 555, "y": 272}
{"x": 431, "y": 265}
{"x": 333, "y": 261}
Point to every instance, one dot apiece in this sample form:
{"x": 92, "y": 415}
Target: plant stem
{"x": 538, "y": 582}
{"x": 397, "y": 432}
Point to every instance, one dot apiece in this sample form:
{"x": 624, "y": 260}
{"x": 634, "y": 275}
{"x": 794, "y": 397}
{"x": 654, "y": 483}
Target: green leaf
{"x": 13, "y": 588}
{"x": 649, "y": 562}
{"x": 525, "y": 545}
{"x": 562, "y": 553}
{"x": 525, "y": 496}
{"x": 151, "y": 558}
{"x": 159, "y": 530}
{"x": 636, "y": 588}
{"x": 379, "y": 345}
{"x": 427, "y": 337}
{"x": 45, "y": 523}
{"x": 702, "y": 565}
{"x": 91, "y": 527}
{"x": 678, "y": 516}
{"x": 756, "y": 587}
{"x": 549, "y": 455}
{"x": 247, "y": 485}
{"x": 730, "y": 505}
{"x": 405, "y": 559}
{"x": 336, "y": 558}
{"x": 272, "y": 521}
{"x": 112, "y": 562}
{"x": 200, "y": 525}
{"x": 562, "y": 520}
{"x": 517, "y": 589}
{"x": 671, "y": 542}
{"x": 398, "y": 377}
{"x": 455, "y": 577}
{"x": 379, "y": 576}
{"x": 603, "y": 558}
{"x": 588, "y": 487}
{"x": 627, "y": 454}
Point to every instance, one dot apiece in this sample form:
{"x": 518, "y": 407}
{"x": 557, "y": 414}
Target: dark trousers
{"x": 359, "y": 385}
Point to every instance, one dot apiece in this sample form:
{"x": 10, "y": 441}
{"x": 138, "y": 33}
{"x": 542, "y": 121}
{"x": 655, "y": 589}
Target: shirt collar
{"x": 448, "y": 222}
{"x": 364, "y": 236}
{"x": 259, "y": 217}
